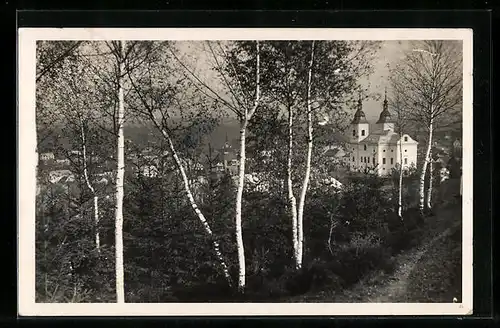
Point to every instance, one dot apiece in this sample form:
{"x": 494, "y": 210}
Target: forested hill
{"x": 142, "y": 134}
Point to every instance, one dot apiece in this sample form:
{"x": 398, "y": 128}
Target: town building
{"x": 63, "y": 161}
{"x": 47, "y": 156}
{"x": 226, "y": 159}
{"x": 380, "y": 149}
{"x": 63, "y": 176}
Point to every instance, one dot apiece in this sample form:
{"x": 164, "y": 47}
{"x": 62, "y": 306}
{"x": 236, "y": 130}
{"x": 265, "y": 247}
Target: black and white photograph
{"x": 245, "y": 171}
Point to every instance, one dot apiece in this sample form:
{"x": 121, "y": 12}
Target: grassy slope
{"x": 437, "y": 277}
{"x": 430, "y": 272}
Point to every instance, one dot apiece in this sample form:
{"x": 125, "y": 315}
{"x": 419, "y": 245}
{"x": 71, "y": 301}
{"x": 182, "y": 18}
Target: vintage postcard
{"x": 196, "y": 172}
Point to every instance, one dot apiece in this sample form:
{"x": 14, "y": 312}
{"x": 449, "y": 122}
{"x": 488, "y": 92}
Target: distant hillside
{"x": 141, "y": 135}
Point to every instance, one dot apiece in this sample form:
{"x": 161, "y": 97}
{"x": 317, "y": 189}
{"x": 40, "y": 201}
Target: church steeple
{"x": 385, "y": 121}
{"x": 386, "y": 104}
{"x": 227, "y": 145}
{"x": 385, "y": 116}
{"x": 359, "y": 116}
{"x": 359, "y": 125}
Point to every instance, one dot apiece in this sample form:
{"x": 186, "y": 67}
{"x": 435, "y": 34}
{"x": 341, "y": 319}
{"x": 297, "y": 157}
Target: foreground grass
{"x": 429, "y": 272}
{"x": 437, "y": 277}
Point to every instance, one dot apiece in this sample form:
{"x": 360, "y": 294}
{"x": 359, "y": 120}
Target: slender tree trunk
{"x": 239, "y": 199}
{"x": 305, "y": 183}
{"x": 424, "y": 169}
{"x": 291, "y": 197}
{"x": 92, "y": 190}
{"x": 120, "y": 281}
{"x": 247, "y": 115}
{"x": 431, "y": 173}
{"x": 401, "y": 170}
{"x": 195, "y": 207}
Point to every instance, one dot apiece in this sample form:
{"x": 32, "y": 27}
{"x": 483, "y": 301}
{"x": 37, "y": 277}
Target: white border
{"x": 27, "y": 181}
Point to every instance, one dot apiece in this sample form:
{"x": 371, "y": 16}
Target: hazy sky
{"x": 389, "y": 54}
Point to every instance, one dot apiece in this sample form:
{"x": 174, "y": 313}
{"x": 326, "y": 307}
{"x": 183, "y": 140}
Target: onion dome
{"x": 359, "y": 116}
{"x": 385, "y": 116}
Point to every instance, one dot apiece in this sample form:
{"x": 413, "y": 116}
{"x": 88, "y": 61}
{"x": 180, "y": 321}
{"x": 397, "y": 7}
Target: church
{"x": 381, "y": 149}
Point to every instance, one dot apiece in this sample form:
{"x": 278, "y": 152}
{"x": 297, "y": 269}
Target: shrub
{"x": 402, "y": 234}
{"x": 355, "y": 259}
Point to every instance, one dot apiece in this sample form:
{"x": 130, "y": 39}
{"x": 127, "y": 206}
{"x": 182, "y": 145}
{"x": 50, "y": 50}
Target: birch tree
{"x": 157, "y": 97}
{"x": 247, "y": 116}
{"x": 112, "y": 62}
{"x": 239, "y": 92}
{"x": 73, "y": 104}
{"x": 108, "y": 61}
{"x": 284, "y": 79}
{"x": 305, "y": 183}
{"x": 119, "y": 51}
{"x": 243, "y": 52}
{"x": 91, "y": 187}
{"x": 401, "y": 125}
{"x": 302, "y": 82}
{"x": 332, "y": 69}
{"x": 429, "y": 80}
{"x": 79, "y": 111}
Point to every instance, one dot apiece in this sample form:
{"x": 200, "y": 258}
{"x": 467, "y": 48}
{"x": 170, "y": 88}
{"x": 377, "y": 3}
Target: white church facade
{"x": 381, "y": 149}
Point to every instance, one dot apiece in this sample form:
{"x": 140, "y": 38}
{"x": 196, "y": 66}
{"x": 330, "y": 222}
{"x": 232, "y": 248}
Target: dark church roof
{"x": 385, "y": 116}
{"x": 359, "y": 116}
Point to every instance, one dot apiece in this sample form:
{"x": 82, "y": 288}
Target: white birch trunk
{"x": 400, "y": 193}
{"x": 120, "y": 280}
{"x": 239, "y": 198}
{"x": 424, "y": 169}
{"x": 247, "y": 115}
{"x": 431, "y": 173}
{"x": 92, "y": 190}
{"x": 305, "y": 183}
{"x": 291, "y": 197}
{"x": 195, "y": 207}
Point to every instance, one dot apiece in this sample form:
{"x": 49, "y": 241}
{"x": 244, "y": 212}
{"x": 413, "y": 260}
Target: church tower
{"x": 385, "y": 121}
{"x": 360, "y": 128}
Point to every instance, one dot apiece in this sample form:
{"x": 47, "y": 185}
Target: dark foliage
{"x": 169, "y": 257}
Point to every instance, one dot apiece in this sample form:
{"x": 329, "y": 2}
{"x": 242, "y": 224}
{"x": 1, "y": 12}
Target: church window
{"x": 364, "y": 147}
{"x": 362, "y": 132}
{"x": 406, "y": 160}
{"x": 383, "y": 160}
{"x": 353, "y": 133}
{"x": 353, "y": 159}
{"x": 392, "y": 150}
{"x": 406, "y": 138}
{"x": 392, "y": 160}
{"x": 406, "y": 150}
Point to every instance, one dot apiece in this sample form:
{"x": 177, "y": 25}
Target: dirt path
{"x": 380, "y": 287}
{"x": 395, "y": 289}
